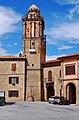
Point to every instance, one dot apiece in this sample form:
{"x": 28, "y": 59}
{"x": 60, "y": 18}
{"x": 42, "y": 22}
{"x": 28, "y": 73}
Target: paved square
{"x": 38, "y": 111}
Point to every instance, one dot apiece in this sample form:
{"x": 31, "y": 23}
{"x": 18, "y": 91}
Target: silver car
{"x": 54, "y": 99}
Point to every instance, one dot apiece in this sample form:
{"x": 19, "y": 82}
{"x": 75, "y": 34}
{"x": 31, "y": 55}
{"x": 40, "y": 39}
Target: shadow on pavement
{"x": 10, "y": 103}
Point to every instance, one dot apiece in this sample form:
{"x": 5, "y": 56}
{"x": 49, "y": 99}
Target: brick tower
{"x": 34, "y": 49}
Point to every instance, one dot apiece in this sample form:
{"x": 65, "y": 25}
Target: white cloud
{"x": 3, "y": 51}
{"x": 65, "y": 47}
{"x": 8, "y": 20}
{"x": 55, "y": 16}
{"x": 65, "y": 32}
{"x": 52, "y": 57}
{"x": 63, "y": 2}
{"x": 11, "y": 45}
{"x": 15, "y": 44}
{"x": 73, "y": 12}
{"x": 50, "y": 40}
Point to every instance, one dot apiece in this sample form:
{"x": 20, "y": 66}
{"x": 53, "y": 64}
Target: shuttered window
{"x": 70, "y": 70}
{"x": 13, "y": 66}
{"x": 13, "y": 80}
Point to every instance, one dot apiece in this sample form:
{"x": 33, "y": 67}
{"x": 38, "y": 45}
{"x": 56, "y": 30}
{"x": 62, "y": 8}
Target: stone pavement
{"x": 38, "y": 111}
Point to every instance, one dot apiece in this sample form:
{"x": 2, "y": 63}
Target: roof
{"x": 70, "y": 56}
{"x": 33, "y": 7}
{"x": 10, "y": 57}
{"x": 57, "y": 62}
{"x": 52, "y": 63}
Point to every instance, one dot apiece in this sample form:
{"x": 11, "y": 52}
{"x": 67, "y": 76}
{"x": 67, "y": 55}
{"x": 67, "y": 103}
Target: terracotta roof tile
{"x": 9, "y": 56}
{"x": 70, "y": 55}
{"x": 52, "y": 61}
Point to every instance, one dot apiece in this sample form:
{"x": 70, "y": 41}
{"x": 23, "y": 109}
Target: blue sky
{"x": 61, "y": 25}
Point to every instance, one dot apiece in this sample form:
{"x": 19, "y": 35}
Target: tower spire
{"x": 33, "y": 8}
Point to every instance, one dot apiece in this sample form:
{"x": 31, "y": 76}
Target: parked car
{"x": 64, "y": 101}
{"x": 2, "y": 101}
{"x": 58, "y": 100}
{"x": 51, "y": 99}
{"x": 2, "y": 98}
{"x": 54, "y": 99}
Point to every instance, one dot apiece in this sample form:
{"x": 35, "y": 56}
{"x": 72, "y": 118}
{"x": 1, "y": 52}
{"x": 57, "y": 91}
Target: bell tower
{"x": 34, "y": 49}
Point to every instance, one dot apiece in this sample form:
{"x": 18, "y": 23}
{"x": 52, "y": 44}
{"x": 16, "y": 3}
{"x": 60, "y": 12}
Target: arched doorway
{"x": 50, "y": 91}
{"x": 71, "y": 93}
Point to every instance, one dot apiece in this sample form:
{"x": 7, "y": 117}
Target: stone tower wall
{"x": 34, "y": 49}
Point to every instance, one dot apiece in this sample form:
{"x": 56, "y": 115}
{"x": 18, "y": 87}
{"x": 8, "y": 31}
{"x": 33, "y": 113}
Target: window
{"x": 29, "y": 15}
{"x": 13, "y": 66}
{"x": 49, "y": 75}
{"x": 32, "y": 65}
{"x": 32, "y": 44}
{"x": 13, "y": 80}
{"x": 13, "y": 93}
{"x": 60, "y": 73}
{"x": 70, "y": 69}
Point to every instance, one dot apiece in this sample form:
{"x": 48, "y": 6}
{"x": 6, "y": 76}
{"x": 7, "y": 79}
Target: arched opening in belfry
{"x": 71, "y": 93}
{"x": 50, "y": 91}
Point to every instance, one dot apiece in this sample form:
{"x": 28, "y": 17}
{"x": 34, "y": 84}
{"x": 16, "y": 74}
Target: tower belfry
{"x": 34, "y": 48}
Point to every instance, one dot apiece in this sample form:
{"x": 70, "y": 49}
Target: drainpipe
{"x": 25, "y": 79}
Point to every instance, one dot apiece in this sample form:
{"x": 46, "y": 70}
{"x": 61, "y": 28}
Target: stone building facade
{"x": 70, "y": 77}
{"x": 12, "y": 77}
{"x": 29, "y": 77}
{"x": 51, "y": 70}
{"x": 61, "y": 77}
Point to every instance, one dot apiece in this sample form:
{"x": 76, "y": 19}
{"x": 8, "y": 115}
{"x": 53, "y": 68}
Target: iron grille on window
{"x": 13, "y": 93}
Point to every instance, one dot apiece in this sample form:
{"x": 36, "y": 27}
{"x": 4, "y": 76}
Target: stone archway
{"x": 71, "y": 93}
{"x": 50, "y": 91}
